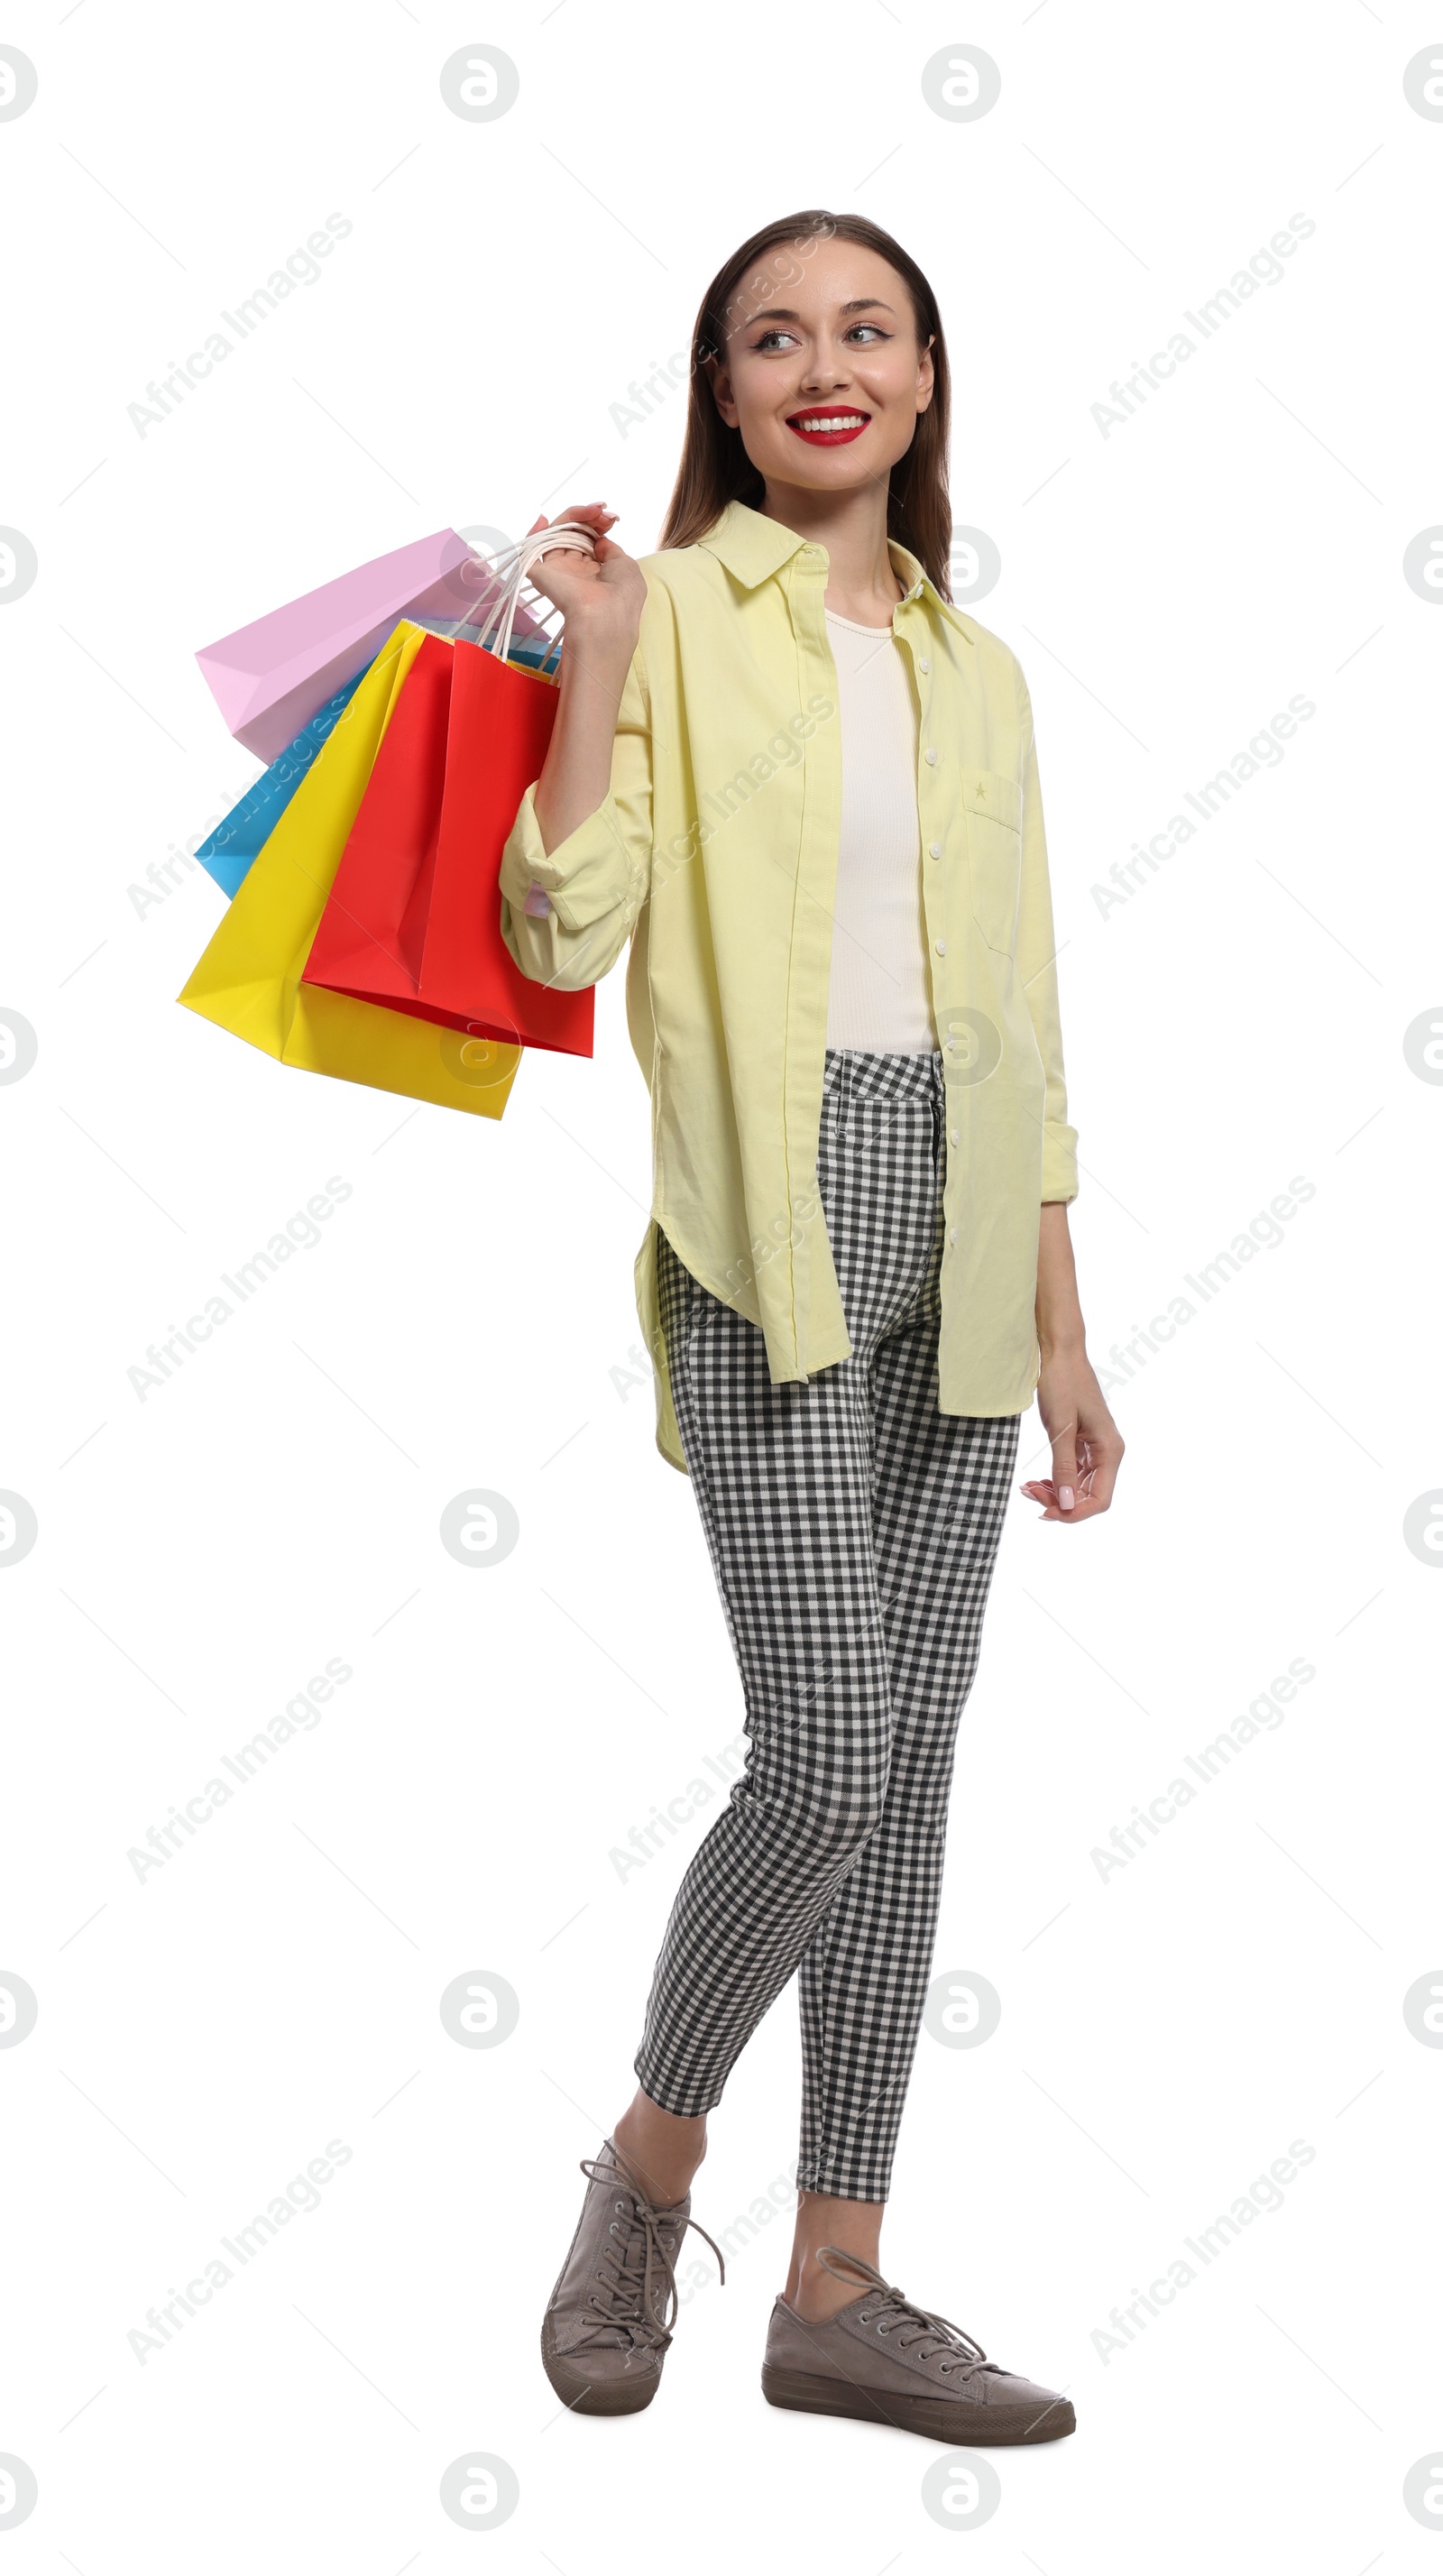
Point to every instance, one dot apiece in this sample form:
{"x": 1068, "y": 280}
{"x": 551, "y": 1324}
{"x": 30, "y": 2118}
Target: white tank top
{"x": 880, "y": 995}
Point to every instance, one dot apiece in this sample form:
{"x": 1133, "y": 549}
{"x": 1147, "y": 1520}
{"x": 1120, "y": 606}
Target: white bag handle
{"x": 512, "y": 566}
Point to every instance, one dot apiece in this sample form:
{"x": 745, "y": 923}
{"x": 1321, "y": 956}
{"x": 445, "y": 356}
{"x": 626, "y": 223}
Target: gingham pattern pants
{"x": 853, "y": 1528}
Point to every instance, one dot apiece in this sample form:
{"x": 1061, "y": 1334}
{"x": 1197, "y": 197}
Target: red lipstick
{"x": 845, "y": 421}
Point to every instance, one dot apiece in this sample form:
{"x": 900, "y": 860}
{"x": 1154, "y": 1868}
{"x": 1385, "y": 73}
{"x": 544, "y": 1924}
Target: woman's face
{"x": 821, "y": 372}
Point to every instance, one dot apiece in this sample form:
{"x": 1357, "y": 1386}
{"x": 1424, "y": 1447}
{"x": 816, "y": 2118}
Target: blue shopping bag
{"x": 231, "y": 847}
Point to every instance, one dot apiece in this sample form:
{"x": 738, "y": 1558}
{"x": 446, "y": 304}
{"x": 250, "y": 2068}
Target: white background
{"x": 466, "y": 1321}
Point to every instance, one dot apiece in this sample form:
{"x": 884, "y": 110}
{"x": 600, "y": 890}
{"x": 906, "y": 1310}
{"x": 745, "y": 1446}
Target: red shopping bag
{"x": 413, "y": 917}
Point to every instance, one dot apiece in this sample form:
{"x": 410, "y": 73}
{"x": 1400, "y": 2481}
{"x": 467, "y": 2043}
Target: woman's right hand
{"x": 600, "y": 596}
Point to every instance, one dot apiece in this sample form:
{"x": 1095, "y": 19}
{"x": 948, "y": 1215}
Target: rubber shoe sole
{"x": 584, "y": 2394}
{"x": 937, "y": 2419}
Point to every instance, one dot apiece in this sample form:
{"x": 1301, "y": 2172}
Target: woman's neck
{"x": 861, "y": 580}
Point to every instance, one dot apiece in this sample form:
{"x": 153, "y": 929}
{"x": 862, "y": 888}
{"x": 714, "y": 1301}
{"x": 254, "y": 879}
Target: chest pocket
{"x": 994, "y": 848}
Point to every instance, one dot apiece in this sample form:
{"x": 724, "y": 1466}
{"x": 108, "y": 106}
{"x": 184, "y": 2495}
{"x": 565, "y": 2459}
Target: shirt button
{"x": 951, "y": 1234}
{"x": 954, "y": 1135}
{"x": 941, "y": 947}
{"x": 924, "y": 664}
{"x": 935, "y": 848}
{"x": 930, "y": 756}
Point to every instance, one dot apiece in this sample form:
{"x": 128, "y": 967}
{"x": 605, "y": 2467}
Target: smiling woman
{"x": 756, "y": 322}
{"x": 802, "y": 788}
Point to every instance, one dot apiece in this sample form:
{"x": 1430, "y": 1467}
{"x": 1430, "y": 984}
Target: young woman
{"x": 804, "y": 788}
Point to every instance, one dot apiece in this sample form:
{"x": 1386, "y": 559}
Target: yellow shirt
{"x": 715, "y": 855}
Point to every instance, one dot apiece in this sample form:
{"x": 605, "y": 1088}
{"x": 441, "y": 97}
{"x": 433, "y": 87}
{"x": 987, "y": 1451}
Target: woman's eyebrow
{"x": 857, "y": 304}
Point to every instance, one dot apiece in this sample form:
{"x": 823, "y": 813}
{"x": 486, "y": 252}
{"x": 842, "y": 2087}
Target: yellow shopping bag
{"x": 249, "y": 979}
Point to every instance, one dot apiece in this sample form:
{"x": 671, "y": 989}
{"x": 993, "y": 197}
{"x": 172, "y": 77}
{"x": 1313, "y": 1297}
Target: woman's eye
{"x": 774, "y": 338}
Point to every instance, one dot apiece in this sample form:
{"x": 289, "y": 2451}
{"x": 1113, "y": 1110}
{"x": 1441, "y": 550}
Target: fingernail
{"x": 1065, "y": 1497}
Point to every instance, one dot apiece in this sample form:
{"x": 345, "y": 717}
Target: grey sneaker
{"x": 887, "y": 2361}
{"x": 608, "y": 2321}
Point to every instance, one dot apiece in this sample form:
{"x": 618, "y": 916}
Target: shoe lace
{"x": 641, "y": 2261}
{"x": 892, "y": 2311}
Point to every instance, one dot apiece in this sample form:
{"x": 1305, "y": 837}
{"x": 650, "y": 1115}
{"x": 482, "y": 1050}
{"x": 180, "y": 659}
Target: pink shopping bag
{"x": 271, "y": 677}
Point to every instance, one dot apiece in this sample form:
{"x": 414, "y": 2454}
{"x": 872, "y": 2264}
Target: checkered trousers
{"x": 853, "y": 1529}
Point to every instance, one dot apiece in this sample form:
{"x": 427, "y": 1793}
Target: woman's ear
{"x": 721, "y": 386}
{"x": 926, "y": 375}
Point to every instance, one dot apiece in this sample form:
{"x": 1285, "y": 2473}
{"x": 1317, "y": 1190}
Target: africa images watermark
{"x": 782, "y": 751}
{"x": 1264, "y": 1714}
{"x": 302, "y": 1713}
{"x": 780, "y": 2195}
{"x": 780, "y": 269}
{"x": 164, "y": 876}
{"x": 1263, "y": 1233}
{"x": 1266, "y": 2193}
{"x": 648, "y": 396}
{"x": 754, "y": 292}
{"x": 663, "y": 1824}
{"x": 300, "y": 1233}
{"x": 1264, "y": 750}
{"x": 301, "y": 2195}
{"x": 186, "y": 376}
{"x": 1265, "y": 268}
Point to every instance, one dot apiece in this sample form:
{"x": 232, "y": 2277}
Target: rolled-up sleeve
{"x": 567, "y": 914}
{"x": 1037, "y": 967}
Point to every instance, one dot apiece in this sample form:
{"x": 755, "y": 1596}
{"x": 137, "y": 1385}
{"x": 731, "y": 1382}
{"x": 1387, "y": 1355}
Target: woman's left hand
{"x": 1087, "y": 1446}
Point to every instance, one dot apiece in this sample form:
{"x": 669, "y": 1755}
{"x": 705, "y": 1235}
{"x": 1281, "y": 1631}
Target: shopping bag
{"x": 231, "y": 847}
{"x": 228, "y": 851}
{"x": 271, "y": 677}
{"x": 249, "y": 978}
{"x": 413, "y": 916}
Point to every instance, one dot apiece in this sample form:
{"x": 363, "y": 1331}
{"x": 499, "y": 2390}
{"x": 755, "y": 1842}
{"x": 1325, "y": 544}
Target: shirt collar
{"x": 754, "y": 547}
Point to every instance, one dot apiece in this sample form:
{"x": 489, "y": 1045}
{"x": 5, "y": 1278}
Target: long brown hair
{"x": 715, "y": 467}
